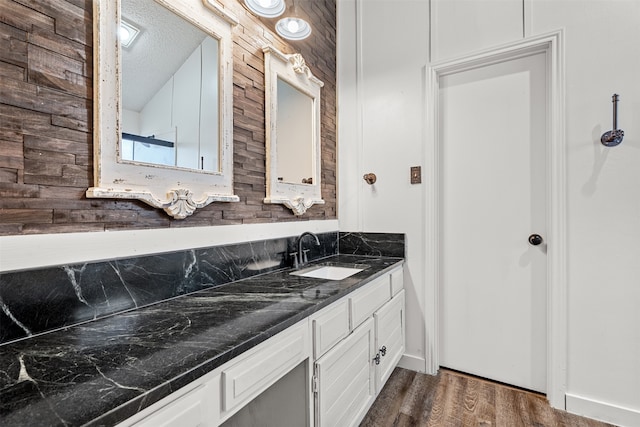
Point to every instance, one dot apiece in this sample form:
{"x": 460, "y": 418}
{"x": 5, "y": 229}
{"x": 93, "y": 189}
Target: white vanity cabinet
{"x": 343, "y": 382}
{"x": 334, "y": 362}
{"x": 389, "y": 344}
{"x": 348, "y": 377}
{"x": 218, "y": 395}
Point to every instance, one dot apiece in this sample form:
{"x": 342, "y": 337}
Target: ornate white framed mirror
{"x": 163, "y": 103}
{"x": 292, "y": 96}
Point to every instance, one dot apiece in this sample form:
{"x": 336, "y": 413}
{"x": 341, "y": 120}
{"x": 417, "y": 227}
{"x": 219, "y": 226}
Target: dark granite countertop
{"x": 102, "y": 372}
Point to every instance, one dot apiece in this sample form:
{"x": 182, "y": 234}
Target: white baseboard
{"x": 602, "y": 411}
{"x": 413, "y": 363}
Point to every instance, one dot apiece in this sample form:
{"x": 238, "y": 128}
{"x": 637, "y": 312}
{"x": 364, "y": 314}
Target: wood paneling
{"x": 452, "y": 399}
{"x": 46, "y": 109}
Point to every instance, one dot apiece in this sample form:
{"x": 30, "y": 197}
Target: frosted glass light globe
{"x": 293, "y": 26}
{"x": 266, "y": 8}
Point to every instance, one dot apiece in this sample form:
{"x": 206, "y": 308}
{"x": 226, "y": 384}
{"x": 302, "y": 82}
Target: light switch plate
{"x": 416, "y": 174}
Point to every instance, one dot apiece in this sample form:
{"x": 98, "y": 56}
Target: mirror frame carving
{"x": 293, "y": 69}
{"x": 178, "y": 191}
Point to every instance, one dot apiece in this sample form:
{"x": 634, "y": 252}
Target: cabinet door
{"x": 389, "y": 322}
{"x": 345, "y": 380}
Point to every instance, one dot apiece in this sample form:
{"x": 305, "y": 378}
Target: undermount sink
{"x": 328, "y": 272}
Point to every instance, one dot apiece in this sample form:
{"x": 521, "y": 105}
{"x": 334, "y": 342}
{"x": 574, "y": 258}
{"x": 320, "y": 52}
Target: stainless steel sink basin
{"x": 328, "y": 272}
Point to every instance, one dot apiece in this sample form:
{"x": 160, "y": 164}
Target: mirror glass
{"x": 295, "y": 134}
{"x": 170, "y": 100}
{"x": 292, "y": 95}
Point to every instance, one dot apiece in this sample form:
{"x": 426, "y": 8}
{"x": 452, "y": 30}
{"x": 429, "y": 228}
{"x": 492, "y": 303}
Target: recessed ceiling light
{"x": 293, "y": 28}
{"x": 266, "y": 8}
{"x": 127, "y": 33}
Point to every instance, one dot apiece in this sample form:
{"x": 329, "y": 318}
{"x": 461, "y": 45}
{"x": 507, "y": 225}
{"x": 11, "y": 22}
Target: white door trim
{"x": 552, "y": 45}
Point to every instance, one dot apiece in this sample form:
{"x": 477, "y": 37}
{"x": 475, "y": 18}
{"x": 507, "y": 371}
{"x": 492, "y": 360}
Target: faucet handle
{"x": 305, "y": 259}
{"x": 295, "y": 259}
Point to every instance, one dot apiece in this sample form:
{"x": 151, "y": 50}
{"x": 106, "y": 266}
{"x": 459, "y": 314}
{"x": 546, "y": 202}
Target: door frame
{"x": 552, "y": 46}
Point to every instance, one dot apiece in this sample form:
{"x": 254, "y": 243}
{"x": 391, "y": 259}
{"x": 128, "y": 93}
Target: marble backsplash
{"x": 372, "y": 244}
{"x": 40, "y": 300}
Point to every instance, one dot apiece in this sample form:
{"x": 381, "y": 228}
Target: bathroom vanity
{"x": 347, "y": 350}
{"x": 220, "y": 355}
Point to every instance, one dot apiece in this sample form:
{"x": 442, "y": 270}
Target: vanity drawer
{"x": 368, "y": 299}
{"x": 187, "y": 410}
{"x": 253, "y": 373}
{"x": 329, "y": 327}
{"x": 397, "y": 281}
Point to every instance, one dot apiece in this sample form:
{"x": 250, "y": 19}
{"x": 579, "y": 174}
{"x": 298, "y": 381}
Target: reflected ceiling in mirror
{"x": 179, "y": 187}
{"x": 292, "y": 95}
{"x": 170, "y": 111}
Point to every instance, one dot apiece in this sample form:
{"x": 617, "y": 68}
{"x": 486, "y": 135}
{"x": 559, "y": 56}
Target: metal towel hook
{"x": 613, "y": 137}
{"x": 370, "y": 178}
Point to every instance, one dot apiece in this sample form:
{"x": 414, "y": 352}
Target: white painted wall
{"x": 156, "y": 116}
{"x": 349, "y": 173}
{"x": 601, "y": 44}
{"x": 130, "y": 121}
{"x": 210, "y": 106}
{"x": 22, "y": 252}
{"x": 185, "y": 110}
{"x": 463, "y": 26}
{"x": 382, "y": 47}
{"x": 381, "y": 131}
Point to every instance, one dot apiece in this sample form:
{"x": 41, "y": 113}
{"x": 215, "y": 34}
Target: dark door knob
{"x": 535, "y": 239}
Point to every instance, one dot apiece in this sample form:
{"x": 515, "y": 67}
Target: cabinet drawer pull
{"x": 383, "y": 351}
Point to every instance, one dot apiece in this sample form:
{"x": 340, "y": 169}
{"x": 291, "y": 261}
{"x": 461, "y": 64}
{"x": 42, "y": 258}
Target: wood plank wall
{"x": 46, "y": 110}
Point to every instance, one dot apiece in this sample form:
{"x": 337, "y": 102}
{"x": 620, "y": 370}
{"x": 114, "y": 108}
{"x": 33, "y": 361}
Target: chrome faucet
{"x": 300, "y": 258}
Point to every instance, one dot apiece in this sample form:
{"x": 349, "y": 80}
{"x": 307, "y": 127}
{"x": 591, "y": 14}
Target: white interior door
{"x": 493, "y": 130}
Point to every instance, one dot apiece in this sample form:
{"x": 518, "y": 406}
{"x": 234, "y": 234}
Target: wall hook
{"x": 613, "y": 137}
{"x": 370, "y": 178}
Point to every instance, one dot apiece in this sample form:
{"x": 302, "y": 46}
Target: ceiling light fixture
{"x": 266, "y": 8}
{"x": 127, "y": 33}
{"x": 293, "y": 28}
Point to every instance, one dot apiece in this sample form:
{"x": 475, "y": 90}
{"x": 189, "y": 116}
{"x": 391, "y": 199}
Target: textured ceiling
{"x": 164, "y": 43}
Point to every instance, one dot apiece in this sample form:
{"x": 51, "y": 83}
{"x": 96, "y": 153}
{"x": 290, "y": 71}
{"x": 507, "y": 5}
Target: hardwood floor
{"x": 455, "y": 399}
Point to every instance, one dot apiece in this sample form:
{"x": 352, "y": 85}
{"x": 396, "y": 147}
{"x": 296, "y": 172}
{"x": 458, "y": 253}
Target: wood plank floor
{"x": 455, "y": 399}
